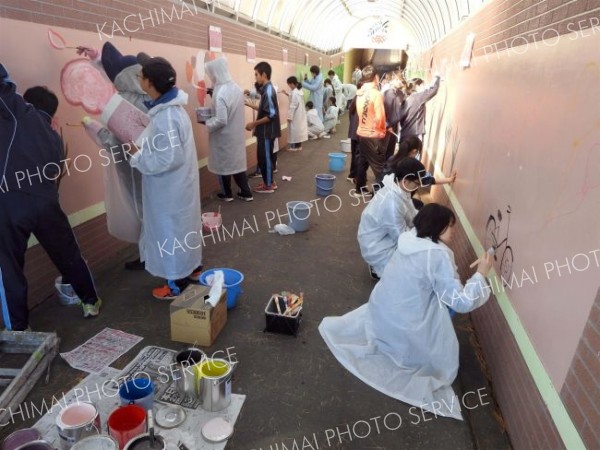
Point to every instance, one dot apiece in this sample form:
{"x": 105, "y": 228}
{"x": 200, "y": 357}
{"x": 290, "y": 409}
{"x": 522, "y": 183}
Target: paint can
{"x": 76, "y": 422}
{"x": 20, "y": 437}
{"x": 100, "y": 442}
{"x": 138, "y": 391}
{"x": 126, "y": 423}
{"x": 143, "y": 443}
{"x": 36, "y": 445}
{"x": 214, "y": 379}
{"x": 184, "y": 375}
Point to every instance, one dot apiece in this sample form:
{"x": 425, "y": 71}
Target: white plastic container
{"x": 345, "y": 146}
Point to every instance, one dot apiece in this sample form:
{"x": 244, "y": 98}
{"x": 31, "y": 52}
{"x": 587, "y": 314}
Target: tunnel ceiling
{"x": 323, "y": 24}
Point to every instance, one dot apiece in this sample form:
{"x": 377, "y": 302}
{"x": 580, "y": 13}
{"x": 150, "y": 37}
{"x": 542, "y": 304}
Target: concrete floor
{"x": 297, "y": 393}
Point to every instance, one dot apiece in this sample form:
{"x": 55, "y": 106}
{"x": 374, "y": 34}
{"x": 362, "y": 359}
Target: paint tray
{"x": 277, "y": 322}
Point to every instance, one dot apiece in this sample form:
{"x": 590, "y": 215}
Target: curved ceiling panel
{"x": 323, "y": 24}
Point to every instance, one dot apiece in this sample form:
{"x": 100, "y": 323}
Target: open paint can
{"x": 76, "y": 422}
{"x": 184, "y": 375}
{"x": 143, "y": 443}
{"x": 36, "y": 445}
{"x": 100, "y": 442}
{"x": 20, "y": 437}
{"x": 214, "y": 379}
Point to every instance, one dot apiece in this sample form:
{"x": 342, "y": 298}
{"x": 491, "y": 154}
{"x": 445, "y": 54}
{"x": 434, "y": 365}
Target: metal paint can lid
{"x": 170, "y": 416}
{"x": 217, "y": 430}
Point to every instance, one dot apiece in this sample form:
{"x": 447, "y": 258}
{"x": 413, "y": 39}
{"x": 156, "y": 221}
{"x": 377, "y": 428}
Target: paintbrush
{"x": 490, "y": 251}
{"x": 151, "y": 428}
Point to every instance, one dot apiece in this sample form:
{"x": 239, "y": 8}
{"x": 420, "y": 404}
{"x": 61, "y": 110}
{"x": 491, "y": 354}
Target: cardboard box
{"x": 194, "y": 322}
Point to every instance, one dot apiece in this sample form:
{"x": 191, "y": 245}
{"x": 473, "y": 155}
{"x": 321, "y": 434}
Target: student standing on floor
{"x": 226, "y": 140}
{"x": 356, "y": 75}
{"x": 296, "y": 119}
{"x": 327, "y": 95}
{"x": 352, "y": 127}
{"x": 168, "y": 162}
{"x": 337, "y": 89}
{"x": 402, "y": 341}
{"x": 371, "y": 131}
{"x": 393, "y": 100}
{"x": 412, "y": 122}
{"x": 266, "y": 127}
{"x": 30, "y": 205}
{"x": 315, "y": 86}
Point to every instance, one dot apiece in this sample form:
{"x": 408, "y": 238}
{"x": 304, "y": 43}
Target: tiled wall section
{"x": 527, "y": 419}
{"x": 187, "y": 29}
{"x": 503, "y": 24}
{"x": 581, "y": 391}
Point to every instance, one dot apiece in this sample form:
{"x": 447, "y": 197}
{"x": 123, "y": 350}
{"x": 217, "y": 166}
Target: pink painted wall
{"x": 32, "y": 61}
{"x": 524, "y": 130}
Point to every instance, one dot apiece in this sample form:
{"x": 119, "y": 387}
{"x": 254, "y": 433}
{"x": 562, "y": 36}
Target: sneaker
{"x": 135, "y": 265}
{"x": 274, "y": 186}
{"x": 224, "y": 197}
{"x": 275, "y": 171}
{"x": 255, "y": 175}
{"x": 91, "y": 310}
{"x": 326, "y": 136}
{"x": 312, "y": 137}
{"x": 361, "y": 194}
{"x": 262, "y": 189}
{"x": 299, "y": 149}
{"x": 321, "y": 135}
{"x": 169, "y": 291}
{"x": 246, "y": 197}
{"x": 292, "y": 149}
{"x": 351, "y": 180}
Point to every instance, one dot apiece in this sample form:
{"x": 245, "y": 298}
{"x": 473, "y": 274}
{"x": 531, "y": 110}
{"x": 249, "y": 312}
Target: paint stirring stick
{"x": 490, "y": 251}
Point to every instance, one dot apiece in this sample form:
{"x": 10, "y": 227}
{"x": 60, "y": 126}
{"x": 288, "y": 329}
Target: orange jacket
{"x": 371, "y": 113}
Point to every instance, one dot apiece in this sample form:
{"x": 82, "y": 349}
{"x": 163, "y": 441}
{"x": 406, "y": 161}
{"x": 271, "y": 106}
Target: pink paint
{"x": 77, "y": 415}
{"x": 82, "y": 84}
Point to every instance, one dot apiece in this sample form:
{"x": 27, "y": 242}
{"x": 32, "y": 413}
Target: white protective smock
{"x": 315, "y": 86}
{"x": 297, "y": 125}
{"x": 226, "y": 139}
{"x": 402, "y": 342}
{"x": 122, "y": 183}
{"x": 389, "y": 214}
{"x": 314, "y": 123}
{"x": 337, "y": 89}
{"x": 170, "y": 242}
{"x": 331, "y": 118}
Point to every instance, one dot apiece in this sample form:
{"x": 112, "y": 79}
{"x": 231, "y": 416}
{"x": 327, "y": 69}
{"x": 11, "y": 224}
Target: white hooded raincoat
{"x": 389, "y": 214}
{"x": 297, "y": 125}
{"x": 226, "y": 139}
{"x": 402, "y": 341}
{"x": 170, "y": 242}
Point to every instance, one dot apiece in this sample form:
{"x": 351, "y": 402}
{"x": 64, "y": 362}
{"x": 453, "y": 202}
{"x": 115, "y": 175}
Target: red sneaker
{"x": 262, "y": 189}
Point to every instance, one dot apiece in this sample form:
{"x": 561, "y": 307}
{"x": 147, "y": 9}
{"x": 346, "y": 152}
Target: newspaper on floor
{"x": 97, "y": 353}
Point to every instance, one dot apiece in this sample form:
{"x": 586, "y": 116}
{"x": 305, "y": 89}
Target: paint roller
{"x": 490, "y": 251}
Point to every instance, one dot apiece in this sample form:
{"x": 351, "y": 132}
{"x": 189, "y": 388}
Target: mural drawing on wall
{"x": 452, "y": 143}
{"x": 491, "y": 240}
{"x": 80, "y": 82}
{"x": 194, "y": 72}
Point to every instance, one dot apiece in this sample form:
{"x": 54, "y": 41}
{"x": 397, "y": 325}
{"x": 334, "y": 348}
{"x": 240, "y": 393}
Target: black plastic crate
{"x": 278, "y": 323}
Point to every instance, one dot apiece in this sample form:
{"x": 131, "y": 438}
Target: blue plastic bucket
{"x": 233, "y": 283}
{"x": 325, "y": 183}
{"x": 337, "y": 161}
{"x": 299, "y": 213}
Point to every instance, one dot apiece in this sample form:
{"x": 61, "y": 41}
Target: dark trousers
{"x": 391, "y": 140}
{"x": 353, "y": 157}
{"x": 20, "y": 216}
{"x": 266, "y": 160}
{"x": 241, "y": 179}
{"x": 371, "y": 154}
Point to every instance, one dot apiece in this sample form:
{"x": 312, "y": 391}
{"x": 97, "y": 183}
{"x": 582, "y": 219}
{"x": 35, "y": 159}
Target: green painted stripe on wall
{"x": 560, "y": 416}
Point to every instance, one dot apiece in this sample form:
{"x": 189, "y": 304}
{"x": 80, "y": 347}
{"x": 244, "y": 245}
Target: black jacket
{"x": 30, "y": 150}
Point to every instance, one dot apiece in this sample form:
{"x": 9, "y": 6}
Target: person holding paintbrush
{"x": 402, "y": 341}
{"x": 31, "y": 157}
